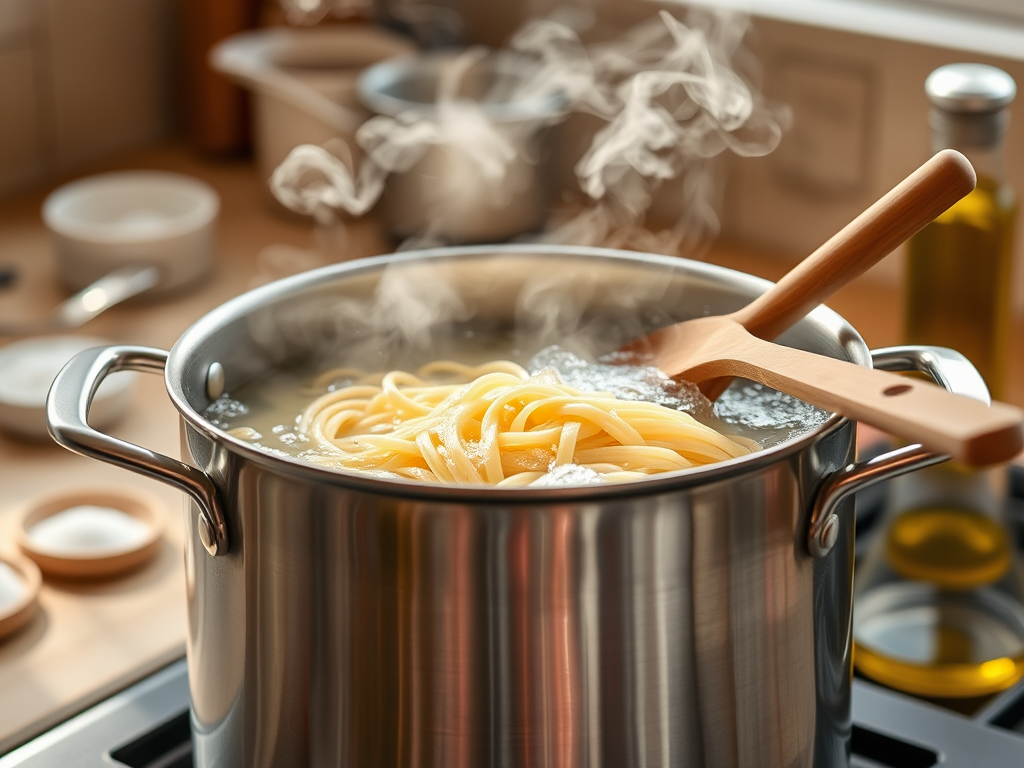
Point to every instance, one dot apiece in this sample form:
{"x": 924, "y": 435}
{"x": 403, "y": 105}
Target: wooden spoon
{"x": 966, "y": 429}
{"x": 710, "y": 350}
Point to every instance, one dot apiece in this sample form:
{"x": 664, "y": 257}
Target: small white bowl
{"x": 28, "y": 368}
{"x": 19, "y": 593}
{"x": 132, "y": 218}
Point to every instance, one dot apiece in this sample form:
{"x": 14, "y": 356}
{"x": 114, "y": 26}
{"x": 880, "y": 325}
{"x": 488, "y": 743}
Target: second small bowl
{"x": 19, "y": 592}
{"x": 91, "y": 532}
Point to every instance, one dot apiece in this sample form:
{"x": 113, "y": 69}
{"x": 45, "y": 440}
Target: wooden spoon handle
{"x": 966, "y": 429}
{"x": 914, "y": 202}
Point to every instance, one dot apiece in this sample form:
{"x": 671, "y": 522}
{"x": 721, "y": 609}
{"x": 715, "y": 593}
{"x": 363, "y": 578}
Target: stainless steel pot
{"x": 699, "y": 618}
{"x": 449, "y": 194}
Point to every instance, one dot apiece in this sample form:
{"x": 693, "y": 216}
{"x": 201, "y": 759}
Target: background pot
{"x": 304, "y": 83}
{"x": 694, "y": 618}
{"x": 446, "y": 195}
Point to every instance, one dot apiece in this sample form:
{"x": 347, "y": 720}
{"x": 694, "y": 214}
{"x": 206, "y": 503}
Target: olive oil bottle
{"x": 938, "y": 611}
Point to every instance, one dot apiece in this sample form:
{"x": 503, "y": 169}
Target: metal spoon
{"x": 111, "y": 289}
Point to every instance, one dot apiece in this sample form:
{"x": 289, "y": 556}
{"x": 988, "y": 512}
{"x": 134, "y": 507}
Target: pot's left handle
{"x": 67, "y": 412}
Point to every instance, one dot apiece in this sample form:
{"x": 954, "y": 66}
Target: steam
{"x": 668, "y": 97}
{"x": 315, "y": 182}
{"x": 668, "y": 91}
{"x": 417, "y": 310}
{"x": 673, "y": 101}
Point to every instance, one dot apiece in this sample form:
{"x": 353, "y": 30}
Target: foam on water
{"x": 222, "y": 411}
{"x": 765, "y": 415}
{"x": 626, "y": 382}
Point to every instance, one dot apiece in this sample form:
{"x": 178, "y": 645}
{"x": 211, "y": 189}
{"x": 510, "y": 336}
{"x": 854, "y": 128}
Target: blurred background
{"x": 742, "y": 132}
{"x": 85, "y": 83}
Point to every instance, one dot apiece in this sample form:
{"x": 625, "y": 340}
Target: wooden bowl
{"x": 92, "y": 563}
{"x": 21, "y": 612}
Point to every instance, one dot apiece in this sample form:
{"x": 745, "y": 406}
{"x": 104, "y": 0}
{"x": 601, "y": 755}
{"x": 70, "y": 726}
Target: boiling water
{"x": 266, "y": 413}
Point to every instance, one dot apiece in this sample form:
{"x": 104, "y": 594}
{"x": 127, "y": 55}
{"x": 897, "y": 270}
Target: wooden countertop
{"x": 92, "y": 639}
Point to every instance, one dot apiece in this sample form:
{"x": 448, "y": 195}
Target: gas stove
{"x": 147, "y": 725}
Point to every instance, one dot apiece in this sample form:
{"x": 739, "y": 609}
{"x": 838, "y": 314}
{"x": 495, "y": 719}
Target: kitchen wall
{"x": 81, "y": 80}
{"x": 860, "y": 116}
{"x": 860, "y": 124}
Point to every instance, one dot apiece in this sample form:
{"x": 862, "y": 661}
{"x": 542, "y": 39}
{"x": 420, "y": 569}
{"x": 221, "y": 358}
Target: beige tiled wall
{"x": 22, "y": 158}
{"x": 81, "y": 80}
{"x": 770, "y": 203}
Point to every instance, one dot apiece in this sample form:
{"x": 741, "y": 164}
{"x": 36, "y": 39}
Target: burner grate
{"x": 890, "y": 731}
{"x": 169, "y": 745}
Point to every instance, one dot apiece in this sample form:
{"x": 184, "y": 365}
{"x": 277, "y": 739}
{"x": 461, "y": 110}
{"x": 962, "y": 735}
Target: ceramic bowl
{"x": 16, "y": 612}
{"x": 133, "y": 218}
{"x": 81, "y": 552}
{"x": 28, "y": 368}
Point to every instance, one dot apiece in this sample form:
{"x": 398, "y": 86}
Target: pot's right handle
{"x": 947, "y": 368}
{"x": 67, "y": 412}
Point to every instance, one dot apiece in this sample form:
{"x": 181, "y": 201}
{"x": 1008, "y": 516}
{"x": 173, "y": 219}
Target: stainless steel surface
{"x": 947, "y": 368}
{"x": 109, "y": 290}
{"x": 67, "y": 414}
{"x": 451, "y": 192}
{"x": 675, "y": 621}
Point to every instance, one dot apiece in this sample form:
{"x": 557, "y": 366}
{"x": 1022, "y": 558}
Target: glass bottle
{"x": 959, "y": 275}
{"x": 938, "y": 609}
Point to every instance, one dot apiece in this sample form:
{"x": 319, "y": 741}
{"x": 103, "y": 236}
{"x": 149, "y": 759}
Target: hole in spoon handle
{"x": 898, "y": 389}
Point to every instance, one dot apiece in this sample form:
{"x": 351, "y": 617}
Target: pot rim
{"x": 375, "y": 81}
{"x": 238, "y": 307}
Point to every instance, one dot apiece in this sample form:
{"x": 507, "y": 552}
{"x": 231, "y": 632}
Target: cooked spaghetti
{"x": 498, "y": 425}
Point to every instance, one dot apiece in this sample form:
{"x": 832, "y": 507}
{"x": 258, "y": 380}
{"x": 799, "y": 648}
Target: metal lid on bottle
{"x": 969, "y": 104}
{"x": 970, "y": 88}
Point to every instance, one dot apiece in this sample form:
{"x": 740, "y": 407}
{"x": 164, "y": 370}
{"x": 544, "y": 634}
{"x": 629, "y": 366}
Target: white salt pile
{"x": 12, "y": 588}
{"x": 88, "y": 530}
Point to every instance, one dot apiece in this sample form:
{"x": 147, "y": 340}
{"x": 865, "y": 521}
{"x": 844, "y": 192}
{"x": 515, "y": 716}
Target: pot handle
{"x": 948, "y": 369}
{"x": 67, "y": 412}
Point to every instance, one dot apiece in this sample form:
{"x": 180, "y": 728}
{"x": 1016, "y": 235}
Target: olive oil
{"x": 954, "y": 549}
{"x": 959, "y": 281}
{"x": 947, "y": 675}
{"x": 938, "y": 610}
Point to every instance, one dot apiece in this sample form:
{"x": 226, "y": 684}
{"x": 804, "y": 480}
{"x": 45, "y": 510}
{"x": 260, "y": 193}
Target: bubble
{"x": 765, "y": 415}
{"x": 222, "y": 410}
{"x": 626, "y": 382}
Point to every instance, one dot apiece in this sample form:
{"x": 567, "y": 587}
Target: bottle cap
{"x": 970, "y": 88}
{"x": 969, "y": 104}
